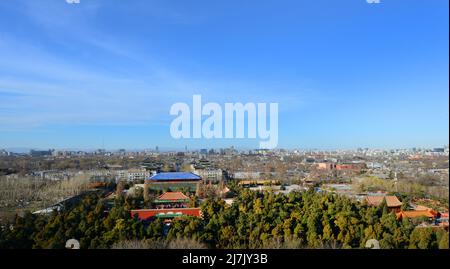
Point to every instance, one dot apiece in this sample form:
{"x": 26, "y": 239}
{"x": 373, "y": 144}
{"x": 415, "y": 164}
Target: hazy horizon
{"x": 168, "y": 149}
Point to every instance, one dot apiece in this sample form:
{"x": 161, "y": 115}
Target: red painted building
{"x": 168, "y": 213}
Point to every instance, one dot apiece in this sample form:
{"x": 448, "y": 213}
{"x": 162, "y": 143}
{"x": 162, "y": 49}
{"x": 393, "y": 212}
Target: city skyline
{"x": 345, "y": 74}
{"x": 23, "y": 150}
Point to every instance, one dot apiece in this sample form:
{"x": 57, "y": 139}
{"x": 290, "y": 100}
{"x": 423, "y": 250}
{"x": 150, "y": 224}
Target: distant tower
{"x": 157, "y": 149}
{"x": 185, "y": 148}
{"x": 395, "y": 181}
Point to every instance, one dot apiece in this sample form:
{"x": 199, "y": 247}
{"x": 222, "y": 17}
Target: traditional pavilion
{"x": 168, "y": 206}
{"x": 171, "y": 200}
{"x": 410, "y": 214}
{"x": 392, "y": 202}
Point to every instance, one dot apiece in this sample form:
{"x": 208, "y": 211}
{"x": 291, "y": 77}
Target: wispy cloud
{"x": 42, "y": 87}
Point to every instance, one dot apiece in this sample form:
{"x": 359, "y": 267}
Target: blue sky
{"x": 346, "y": 74}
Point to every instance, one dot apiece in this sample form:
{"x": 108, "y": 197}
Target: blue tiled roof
{"x": 175, "y": 176}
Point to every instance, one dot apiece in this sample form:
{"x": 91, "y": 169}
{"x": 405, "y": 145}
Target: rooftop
{"x": 175, "y": 176}
{"x": 416, "y": 214}
{"x": 145, "y": 214}
{"x": 391, "y": 200}
{"x": 172, "y": 196}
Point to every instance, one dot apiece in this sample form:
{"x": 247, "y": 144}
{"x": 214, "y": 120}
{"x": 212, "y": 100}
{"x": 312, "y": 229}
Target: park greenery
{"x": 255, "y": 220}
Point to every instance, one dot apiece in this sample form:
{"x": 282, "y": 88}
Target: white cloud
{"x": 129, "y": 88}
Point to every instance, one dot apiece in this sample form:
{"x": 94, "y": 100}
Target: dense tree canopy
{"x": 254, "y": 220}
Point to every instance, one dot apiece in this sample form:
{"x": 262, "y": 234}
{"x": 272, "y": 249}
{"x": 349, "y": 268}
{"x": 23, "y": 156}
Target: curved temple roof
{"x": 172, "y": 196}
